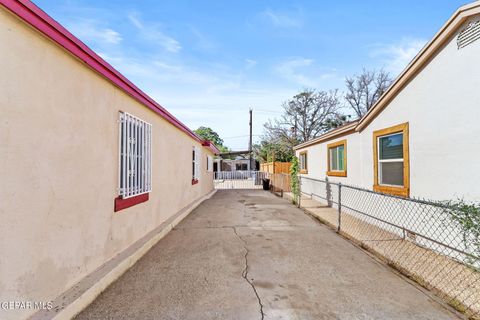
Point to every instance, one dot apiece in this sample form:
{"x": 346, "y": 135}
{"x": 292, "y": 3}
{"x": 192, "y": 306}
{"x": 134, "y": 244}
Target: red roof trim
{"x": 41, "y": 21}
{"x": 211, "y": 146}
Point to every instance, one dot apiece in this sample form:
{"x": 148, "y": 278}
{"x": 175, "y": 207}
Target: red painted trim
{"x": 121, "y": 203}
{"x": 41, "y": 21}
{"x": 211, "y": 146}
{"x": 194, "y": 181}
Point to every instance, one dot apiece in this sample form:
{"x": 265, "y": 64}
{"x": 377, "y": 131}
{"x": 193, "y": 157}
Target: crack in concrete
{"x": 248, "y": 227}
{"x": 245, "y": 272}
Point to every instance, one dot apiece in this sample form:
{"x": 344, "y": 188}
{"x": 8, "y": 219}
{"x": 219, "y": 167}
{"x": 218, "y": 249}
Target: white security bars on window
{"x": 209, "y": 163}
{"x": 195, "y": 163}
{"x": 135, "y": 163}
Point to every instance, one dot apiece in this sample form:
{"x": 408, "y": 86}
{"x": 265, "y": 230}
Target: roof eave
{"x": 211, "y": 146}
{"x": 336, "y": 133}
{"x": 420, "y": 60}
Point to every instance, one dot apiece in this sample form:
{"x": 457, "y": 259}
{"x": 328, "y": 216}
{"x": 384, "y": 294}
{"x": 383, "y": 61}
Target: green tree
{"x": 207, "y": 133}
{"x": 266, "y": 151}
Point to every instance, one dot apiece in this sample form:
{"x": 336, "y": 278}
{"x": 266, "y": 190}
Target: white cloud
{"x": 282, "y": 20}
{"x": 396, "y": 56}
{"x": 152, "y": 33}
{"x": 250, "y": 63}
{"x": 135, "y": 21}
{"x": 212, "y": 95}
{"x": 90, "y": 31}
{"x": 203, "y": 42}
{"x": 303, "y": 71}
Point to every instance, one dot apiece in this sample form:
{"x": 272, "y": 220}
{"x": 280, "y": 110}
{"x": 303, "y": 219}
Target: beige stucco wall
{"x": 59, "y": 169}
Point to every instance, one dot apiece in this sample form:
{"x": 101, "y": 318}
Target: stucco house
{"x": 93, "y": 171}
{"x": 421, "y": 137}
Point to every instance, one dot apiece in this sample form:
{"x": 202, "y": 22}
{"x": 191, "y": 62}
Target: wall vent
{"x": 469, "y": 34}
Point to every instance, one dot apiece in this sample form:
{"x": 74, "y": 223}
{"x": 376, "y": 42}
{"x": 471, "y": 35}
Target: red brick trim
{"x": 121, "y": 203}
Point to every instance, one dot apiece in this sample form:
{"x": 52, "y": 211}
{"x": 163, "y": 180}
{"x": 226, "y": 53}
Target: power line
{"x": 268, "y": 111}
{"x": 246, "y": 135}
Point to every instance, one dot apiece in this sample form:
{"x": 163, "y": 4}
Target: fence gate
{"x": 239, "y": 179}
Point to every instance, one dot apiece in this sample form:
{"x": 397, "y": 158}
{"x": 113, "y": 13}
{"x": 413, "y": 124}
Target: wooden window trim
{"x": 304, "y": 171}
{"x": 337, "y": 173}
{"x": 397, "y": 191}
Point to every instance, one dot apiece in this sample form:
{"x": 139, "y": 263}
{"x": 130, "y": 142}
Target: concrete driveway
{"x": 250, "y": 255}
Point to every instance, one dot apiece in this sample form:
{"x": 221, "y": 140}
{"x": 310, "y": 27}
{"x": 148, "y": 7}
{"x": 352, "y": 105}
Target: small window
{"x": 241, "y": 166}
{"x": 135, "y": 172}
{"x": 391, "y": 160}
{"x": 337, "y": 159}
{"x": 195, "y": 164}
{"x": 302, "y": 160}
{"x": 209, "y": 163}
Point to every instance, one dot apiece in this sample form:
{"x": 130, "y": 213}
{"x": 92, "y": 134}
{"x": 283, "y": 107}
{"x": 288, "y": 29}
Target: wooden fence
{"x": 275, "y": 167}
{"x": 280, "y": 182}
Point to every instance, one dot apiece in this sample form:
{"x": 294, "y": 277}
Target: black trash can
{"x": 266, "y": 184}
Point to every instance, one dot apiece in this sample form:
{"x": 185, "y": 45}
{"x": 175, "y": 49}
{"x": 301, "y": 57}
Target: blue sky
{"x": 208, "y": 62}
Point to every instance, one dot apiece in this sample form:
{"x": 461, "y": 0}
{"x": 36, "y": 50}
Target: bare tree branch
{"x": 364, "y": 90}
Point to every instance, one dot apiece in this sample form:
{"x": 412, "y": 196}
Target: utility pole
{"x": 250, "y": 146}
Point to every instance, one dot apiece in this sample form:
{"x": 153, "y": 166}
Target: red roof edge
{"x": 210, "y": 145}
{"x": 41, "y": 21}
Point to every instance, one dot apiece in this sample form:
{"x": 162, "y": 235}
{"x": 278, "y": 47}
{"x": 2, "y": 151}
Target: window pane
{"x": 341, "y": 166}
{"x": 391, "y": 173}
{"x": 391, "y": 147}
{"x": 193, "y": 163}
{"x": 333, "y": 159}
{"x": 303, "y": 161}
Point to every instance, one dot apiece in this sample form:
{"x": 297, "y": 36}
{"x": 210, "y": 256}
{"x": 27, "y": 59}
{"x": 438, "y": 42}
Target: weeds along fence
{"x": 425, "y": 240}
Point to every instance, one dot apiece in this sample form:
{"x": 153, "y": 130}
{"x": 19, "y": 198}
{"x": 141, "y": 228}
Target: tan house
{"x": 93, "y": 171}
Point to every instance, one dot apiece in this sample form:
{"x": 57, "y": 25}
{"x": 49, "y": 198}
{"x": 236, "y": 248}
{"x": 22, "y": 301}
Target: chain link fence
{"x": 424, "y": 240}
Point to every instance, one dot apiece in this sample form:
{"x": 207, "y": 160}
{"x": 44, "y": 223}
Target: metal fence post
{"x": 328, "y": 192}
{"x": 299, "y": 190}
{"x": 339, "y": 205}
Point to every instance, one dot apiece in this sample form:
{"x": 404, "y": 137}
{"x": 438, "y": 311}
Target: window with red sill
{"x": 195, "y": 165}
{"x": 135, "y": 161}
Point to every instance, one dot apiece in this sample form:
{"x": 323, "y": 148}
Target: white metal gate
{"x": 239, "y": 179}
